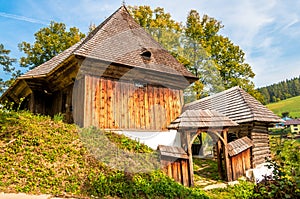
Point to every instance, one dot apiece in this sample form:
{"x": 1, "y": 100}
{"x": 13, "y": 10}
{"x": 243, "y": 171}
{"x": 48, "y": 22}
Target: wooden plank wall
{"x": 176, "y": 168}
{"x": 113, "y": 104}
{"x": 261, "y": 148}
{"x": 240, "y": 163}
{"x": 78, "y": 102}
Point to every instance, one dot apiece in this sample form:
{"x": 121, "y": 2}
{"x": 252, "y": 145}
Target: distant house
{"x": 117, "y": 78}
{"x": 293, "y": 125}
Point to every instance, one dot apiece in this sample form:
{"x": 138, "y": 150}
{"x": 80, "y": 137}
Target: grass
{"x": 290, "y": 105}
{"x": 41, "y": 156}
{"x": 205, "y": 172}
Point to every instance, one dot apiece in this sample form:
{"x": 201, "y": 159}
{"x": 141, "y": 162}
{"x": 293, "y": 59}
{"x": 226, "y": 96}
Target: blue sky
{"x": 267, "y": 30}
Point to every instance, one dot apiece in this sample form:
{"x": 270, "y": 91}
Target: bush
{"x": 277, "y": 186}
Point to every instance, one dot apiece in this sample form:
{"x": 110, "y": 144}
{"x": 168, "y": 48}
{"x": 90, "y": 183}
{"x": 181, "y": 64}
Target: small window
{"x": 295, "y": 129}
{"x": 146, "y": 55}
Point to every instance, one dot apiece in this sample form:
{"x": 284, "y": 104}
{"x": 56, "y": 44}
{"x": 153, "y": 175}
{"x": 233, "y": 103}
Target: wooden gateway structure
{"x": 118, "y": 77}
{"x": 190, "y": 124}
{"x": 253, "y": 118}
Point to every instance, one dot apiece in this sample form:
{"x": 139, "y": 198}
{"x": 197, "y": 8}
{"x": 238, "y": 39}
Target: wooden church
{"x": 118, "y": 77}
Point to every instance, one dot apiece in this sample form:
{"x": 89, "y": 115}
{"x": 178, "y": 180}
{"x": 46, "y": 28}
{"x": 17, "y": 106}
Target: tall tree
{"x": 49, "y": 41}
{"x": 213, "y": 58}
{"x": 6, "y": 62}
{"x": 160, "y": 25}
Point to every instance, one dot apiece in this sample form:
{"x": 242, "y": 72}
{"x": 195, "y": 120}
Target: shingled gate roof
{"x": 239, "y": 145}
{"x": 119, "y": 39}
{"x": 201, "y": 119}
{"x": 236, "y": 104}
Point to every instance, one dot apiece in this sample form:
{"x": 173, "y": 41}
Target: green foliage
{"x": 242, "y": 190}
{"x": 280, "y": 185}
{"x": 280, "y": 91}
{"x": 49, "y": 41}
{"x": 286, "y": 153}
{"x": 6, "y": 63}
{"x": 290, "y": 105}
{"x": 151, "y": 185}
{"x": 39, "y": 155}
{"x": 58, "y": 117}
{"x": 285, "y": 181}
{"x": 213, "y": 58}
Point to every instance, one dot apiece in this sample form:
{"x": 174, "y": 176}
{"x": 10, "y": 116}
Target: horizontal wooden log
{"x": 258, "y": 162}
{"x": 261, "y": 144}
{"x": 259, "y": 157}
{"x": 260, "y": 134}
{"x": 260, "y": 137}
{"x": 261, "y": 152}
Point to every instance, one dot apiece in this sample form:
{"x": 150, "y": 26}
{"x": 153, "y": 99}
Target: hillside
{"x": 291, "y": 105}
{"x": 39, "y": 155}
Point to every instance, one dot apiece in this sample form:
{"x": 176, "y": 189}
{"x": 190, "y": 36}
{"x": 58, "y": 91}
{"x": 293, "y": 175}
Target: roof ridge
{"x": 99, "y": 27}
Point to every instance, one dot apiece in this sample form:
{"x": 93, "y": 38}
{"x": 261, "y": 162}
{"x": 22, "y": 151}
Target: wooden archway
{"x": 189, "y": 135}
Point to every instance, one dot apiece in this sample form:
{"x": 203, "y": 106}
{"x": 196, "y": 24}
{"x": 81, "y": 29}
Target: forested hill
{"x": 280, "y": 91}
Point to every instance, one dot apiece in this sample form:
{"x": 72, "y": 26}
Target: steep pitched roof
{"x": 236, "y": 104}
{"x": 119, "y": 39}
{"x": 201, "y": 119}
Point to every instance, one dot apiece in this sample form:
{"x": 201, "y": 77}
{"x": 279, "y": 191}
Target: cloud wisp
{"x": 23, "y": 18}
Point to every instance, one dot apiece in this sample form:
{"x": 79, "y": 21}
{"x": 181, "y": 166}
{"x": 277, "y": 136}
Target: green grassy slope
{"x": 39, "y": 155}
{"x": 291, "y": 105}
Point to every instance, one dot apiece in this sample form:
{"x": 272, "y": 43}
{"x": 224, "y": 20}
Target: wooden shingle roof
{"x": 239, "y": 145}
{"x": 172, "y": 151}
{"x": 236, "y": 104}
{"x": 119, "y": 39}
{"x": 201, "y": 119}
{"x": 50, "y": 65}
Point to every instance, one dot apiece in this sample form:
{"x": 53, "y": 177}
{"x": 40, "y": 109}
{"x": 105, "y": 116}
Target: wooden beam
{"x": 219, "y": 159}
{"x": 189, "y": 153}
{"x": 226, "y": 158}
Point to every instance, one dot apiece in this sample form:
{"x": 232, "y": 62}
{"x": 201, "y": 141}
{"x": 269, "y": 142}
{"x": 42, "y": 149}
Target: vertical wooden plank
{"x": 234, "y": 168}
{"x": 87, "y": 102}
{"x": 167, "y": 105}
{"x": 97, "y": 103}
{"x": 163, "y": 123}
{"x": 171, "y": 105}
{"x": 169, "y": 168}
{"x": 142, "y": 107}
{"x": 109, "y": 117}
{"x": 151, "y": 111}
{"x": 184, "y": 170}
{"x": 102, "y": 103}
{"x": 157, "y": 108}
{"x": 127, "y": 90}
{"x": 179, "y": 171}
{"x": 174, "y": 171}
{"x": 177, "y": 107}
{"x": 114, "y": 105}
{"x": 131, "y": 107}
{"x": 147, "y": 111}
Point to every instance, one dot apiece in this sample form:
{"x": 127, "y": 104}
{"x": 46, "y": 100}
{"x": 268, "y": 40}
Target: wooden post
{"x": 219, "y": 159}
{"x": 189, "y": 152}
{"x": 226, "y": 158}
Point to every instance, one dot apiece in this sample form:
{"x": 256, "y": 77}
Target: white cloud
{"x": 22, "y": 18}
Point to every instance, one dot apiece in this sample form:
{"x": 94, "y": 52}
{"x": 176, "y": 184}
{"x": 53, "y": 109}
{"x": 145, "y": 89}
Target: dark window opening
{"x": 146, "y": 55}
